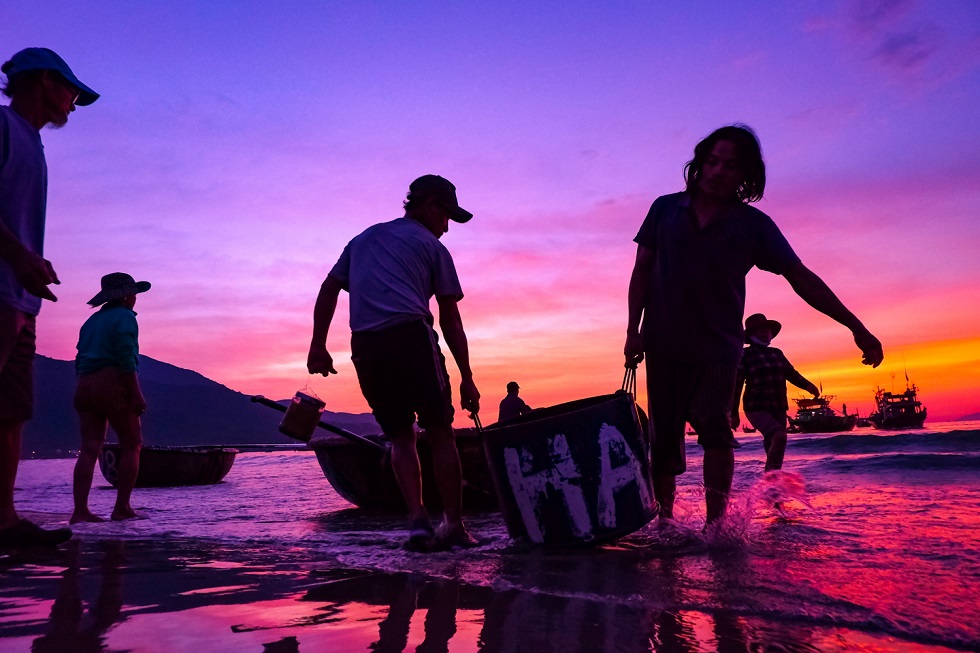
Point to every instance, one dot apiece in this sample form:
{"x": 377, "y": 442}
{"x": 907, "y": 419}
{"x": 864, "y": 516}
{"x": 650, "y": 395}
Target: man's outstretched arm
{"x": 451, "y": 324}
{"x": 319, "y": 361}
{"x": 818, "y": 294}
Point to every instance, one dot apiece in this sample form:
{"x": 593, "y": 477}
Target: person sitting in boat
{"x": 391, "y": 271}
{"x": 764, "y": 371}
{"x": 512, "y": 405}
{"x": 108, "y": 392}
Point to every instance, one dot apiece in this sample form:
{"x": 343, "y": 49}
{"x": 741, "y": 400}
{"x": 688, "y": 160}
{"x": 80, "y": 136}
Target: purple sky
{"x": 238, "y": 146}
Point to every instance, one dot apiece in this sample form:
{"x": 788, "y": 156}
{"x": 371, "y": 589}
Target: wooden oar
{"x": 353, "y": 437}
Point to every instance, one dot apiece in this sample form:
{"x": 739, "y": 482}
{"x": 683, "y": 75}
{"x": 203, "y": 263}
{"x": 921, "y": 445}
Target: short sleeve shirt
{"x": 23, "y": 200}
{"x": 696, "y": 295}
{"x": 109, "y": 338}
{"x": 765, "y": 371}
{"x": 391, "y": 271}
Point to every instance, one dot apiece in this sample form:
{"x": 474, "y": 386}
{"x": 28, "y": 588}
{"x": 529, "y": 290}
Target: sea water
{"x": 874, "y": 546}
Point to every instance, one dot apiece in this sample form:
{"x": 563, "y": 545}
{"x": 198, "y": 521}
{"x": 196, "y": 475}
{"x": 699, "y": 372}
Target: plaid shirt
{"x": 764, "y": 372}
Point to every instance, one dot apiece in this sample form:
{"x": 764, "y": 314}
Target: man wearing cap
{"x": 687, "y": 289}
{"x": 512, "y": 405}
{"x": 391, "y": 270}
{"x": 43, "y": 90}
{"x": 764, "y": 371}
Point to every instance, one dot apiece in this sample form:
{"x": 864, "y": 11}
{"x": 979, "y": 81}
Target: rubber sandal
{"x": 26, "y": 533}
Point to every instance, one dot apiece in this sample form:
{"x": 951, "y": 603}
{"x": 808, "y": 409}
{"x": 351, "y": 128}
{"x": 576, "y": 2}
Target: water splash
{"x": 770, "y": 494}
{"x": 778, "y": 487}
{"x": 775, "y": 493}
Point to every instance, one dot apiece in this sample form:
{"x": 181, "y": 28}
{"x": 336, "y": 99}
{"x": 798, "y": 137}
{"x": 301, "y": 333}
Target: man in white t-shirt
{"x": 43, "y": 90}
{"x": 391, "y": 270}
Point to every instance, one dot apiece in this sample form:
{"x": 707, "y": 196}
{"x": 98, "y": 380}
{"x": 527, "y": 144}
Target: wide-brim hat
{"x": 45, "y": 59}
{"x": 116, "y": 286}
{"x": 442, "y": 190}
{"x": 757, "y": 321}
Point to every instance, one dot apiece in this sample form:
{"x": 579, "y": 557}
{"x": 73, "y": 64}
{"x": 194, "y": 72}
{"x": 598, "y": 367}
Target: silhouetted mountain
{"x": 971, "y": 416}
{"x": 184, "y": 408}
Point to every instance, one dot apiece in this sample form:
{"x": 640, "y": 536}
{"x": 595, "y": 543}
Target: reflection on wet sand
{"x": 515, "y": 620}
{"x": 163, "y": 595}
{"x": 70, "y": 627}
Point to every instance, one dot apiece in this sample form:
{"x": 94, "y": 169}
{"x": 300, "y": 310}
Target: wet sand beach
{"x": 885, "y": 558}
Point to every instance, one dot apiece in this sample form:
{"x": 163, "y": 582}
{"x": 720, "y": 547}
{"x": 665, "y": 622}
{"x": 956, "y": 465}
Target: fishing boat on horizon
{"x": 898, "y": 410}
{"x": 815, "y": 415}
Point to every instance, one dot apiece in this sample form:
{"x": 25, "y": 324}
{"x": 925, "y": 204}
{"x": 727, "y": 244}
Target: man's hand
{"x": 633, "y": 349}
{"x": 814, "y": 390}
{"x": 469, "y": 396}
{"x": 870, "y": 348}
{"x": 319, "y": 361}
{"x": 35, "y": 274}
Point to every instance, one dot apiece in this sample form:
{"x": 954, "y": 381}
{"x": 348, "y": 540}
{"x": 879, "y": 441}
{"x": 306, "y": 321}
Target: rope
{"x": 476, "y": 420}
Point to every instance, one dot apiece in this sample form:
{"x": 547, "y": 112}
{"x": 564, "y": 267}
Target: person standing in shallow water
{"x": 391, "y": 271}
{"x": 687, "y": 299}
{"x": 512, "y": 405}
{"x": 108, "y": 392}
{"x": 43, "y": 90}
{"x": 764, "y": 371}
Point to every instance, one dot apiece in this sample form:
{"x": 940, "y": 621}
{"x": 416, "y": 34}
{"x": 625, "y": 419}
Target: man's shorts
{"x": 18, "y": 334}
{"x": 107, "y": 392}
{"x": 679, "y": 393}
{"x": 402, "y": 373}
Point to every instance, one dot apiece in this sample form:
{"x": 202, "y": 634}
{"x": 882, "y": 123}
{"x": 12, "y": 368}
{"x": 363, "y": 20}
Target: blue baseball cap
{"x": 45, "y": 59}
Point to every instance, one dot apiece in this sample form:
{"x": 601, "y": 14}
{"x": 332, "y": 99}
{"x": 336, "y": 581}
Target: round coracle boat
{"x": 172, "y": 466}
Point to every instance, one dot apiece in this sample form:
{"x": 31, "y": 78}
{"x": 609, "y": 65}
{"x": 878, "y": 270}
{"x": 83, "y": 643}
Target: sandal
{"x": 26, "y": 533}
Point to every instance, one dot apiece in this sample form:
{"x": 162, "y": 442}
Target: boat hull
{"x": 171, "y": 466}
{"x": 363, "y": 476}
{"x": 905, "y": 421}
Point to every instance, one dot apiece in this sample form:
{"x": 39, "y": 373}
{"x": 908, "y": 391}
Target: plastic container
{"x": 302, "y": 416}
{"x": 573, "y": 474}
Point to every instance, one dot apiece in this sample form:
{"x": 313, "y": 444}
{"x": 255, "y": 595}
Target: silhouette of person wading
{"x": 764, "y": 371}
{"x": 391, "y": 270}
{"x": 687, "y": 290}
{"x": 108, "y": 392}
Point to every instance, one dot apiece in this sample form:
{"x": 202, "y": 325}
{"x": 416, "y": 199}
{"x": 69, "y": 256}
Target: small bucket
{"x": 302, "y": 416}
{"x": 573, "y": 474}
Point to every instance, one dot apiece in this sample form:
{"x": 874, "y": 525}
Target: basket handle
{"x": 629, "y": 381}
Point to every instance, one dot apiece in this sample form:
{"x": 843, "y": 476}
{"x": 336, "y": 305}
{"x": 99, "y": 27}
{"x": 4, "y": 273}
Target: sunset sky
{"x": 238, "y": 146}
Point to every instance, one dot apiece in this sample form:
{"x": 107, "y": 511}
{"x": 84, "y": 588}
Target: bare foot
{"x": 85, "y": 515}
{"x": 122, "y": 515}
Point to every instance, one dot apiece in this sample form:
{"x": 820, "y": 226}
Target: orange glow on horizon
{"x": 554, "y": 368}
{"x": 946, "y": 372}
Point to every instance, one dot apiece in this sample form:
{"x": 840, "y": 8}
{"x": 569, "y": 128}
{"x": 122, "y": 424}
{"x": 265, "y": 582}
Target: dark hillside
{"x": 185, "y": 408}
